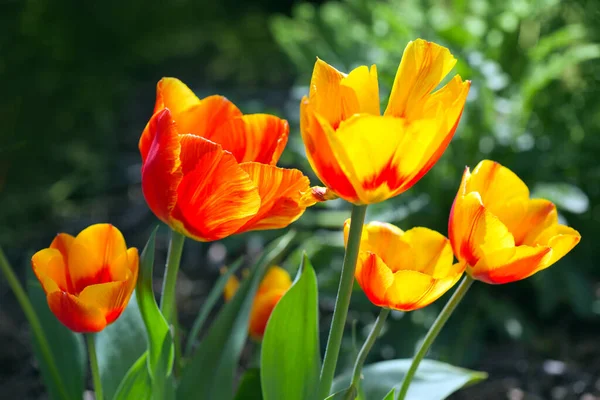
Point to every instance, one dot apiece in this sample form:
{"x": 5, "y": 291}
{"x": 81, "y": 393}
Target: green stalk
{"x": 433, "y": 332}
{"x": 342, "y": 301}
{"x": 91, "y": 345}
{"x": 34, "y": 323}
{"x": 366, "y": 348}
{"x": 167, "y": 298}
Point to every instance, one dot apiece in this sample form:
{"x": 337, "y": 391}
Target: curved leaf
{"x": 290, "y": 358}
{"x": 137, "y": 383}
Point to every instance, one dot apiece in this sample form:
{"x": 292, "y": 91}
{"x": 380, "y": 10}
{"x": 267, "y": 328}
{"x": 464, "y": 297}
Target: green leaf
{"x": 348, "y": 393}
{"x": 213, "y": 297}
{"x": 210, "y": 373}
{"x": 249, "y": 387}
{"x": 137, "y": 383}
{"x": 434, "y": 380}
{"x": 160, "y": 341}
{"x": 67, "y": 347}
{"x": 119, "y": 346}
{"x": 290, "y": 358}
{"x": 391, "y": 395}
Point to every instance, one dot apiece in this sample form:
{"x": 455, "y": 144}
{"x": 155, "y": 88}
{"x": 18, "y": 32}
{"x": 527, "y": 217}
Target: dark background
{"x": 77, "y": 85}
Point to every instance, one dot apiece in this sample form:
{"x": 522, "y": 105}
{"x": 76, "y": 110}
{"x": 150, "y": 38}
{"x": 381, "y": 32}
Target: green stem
{"x": 91, "y": 345}
{"x": 167, "y": 298}
{"x": 434, "y": 331}
{"x": 342, "y": 301}
{"x": 34, "y": 322}
{"x": 366, "y": 348}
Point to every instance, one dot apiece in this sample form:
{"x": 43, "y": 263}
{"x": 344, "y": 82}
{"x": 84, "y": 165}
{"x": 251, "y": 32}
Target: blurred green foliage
{"x": 533, "y": 106}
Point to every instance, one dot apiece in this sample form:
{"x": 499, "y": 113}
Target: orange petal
{"x": 173, "y": 94}
{"x": 92, "y": 254}
{"x": 281, "y": 193}
{"x": 526, "y": 219}
{"x": 407, "y": 290}
{"x": 256, "y": 137}
{"x": 509, "y": 265}
{"x": 74, "y": 314}
{"x": 217, "y": 197}
{"x": 275, "y": 278}
{"x": 385, "y": 240}
{"x": 497, "y": 186}
{"x": 361, "y": 84}
{"x": 50, "y": 268}
{"x": 262, "y": 307}
{"x": 424, "y": 64}
{"x": 441, "y": 286}
{"x": 109, "y": 298}
{"x": 315, "y": 131}
{"x": 374, "y": 277}
{"x": 474, "y": 230}
{"x": 62, "y": 242}
{"x": 161, "y": 170}
{"x": 208, "y": 115}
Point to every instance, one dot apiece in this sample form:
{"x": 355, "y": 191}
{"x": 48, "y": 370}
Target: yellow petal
{"x": 510, "y": 264}
{"x": 315, "y": 131}
{"x": 92, "y": 253}
{"x": 361, "y": 84}
{"x": 275, "y": 278}
{"x": 109, "y": 298}
{"x": 407, "y": 289}
{"x": 561, "y": 239}
{"x": 423, "y": 66}
{"x": 374, "y": 277}
{"x": 50, "y": 269}
{"x": 325, "y": 94}
{"x": 173, "y": 94}
{"x": 431, "y": 252}
{"x": 442, "y": 285}
{"x": 231, "y": 287}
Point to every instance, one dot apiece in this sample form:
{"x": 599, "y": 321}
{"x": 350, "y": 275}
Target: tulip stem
{"x": 91, "y": 345}
{"x": 34, "y": 323}
{"x": 342, "y": 301}
{"x": 366, "y": 348}
{"x": 433, "y": 332}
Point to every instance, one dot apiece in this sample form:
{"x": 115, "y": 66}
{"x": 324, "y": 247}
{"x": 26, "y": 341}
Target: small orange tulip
{"x": 404, "y": 270}
{"x": 499, "y": 233}
{"x": 88, "y": 279}
{"x": 276, "y": 282}
{"x": 364, "y": 157}
{"x": 209, "y": 172}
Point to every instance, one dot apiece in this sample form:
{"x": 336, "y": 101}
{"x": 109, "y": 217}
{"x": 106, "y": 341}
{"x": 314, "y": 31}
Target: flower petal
{"x": 262, "y": 307}
{"x": 510, "y": 264}
{"x": 217, "y": 197}
{"x": 441, "y": 286}
{"x": 282, "y": 193}
{"x": 474, "y": 230}
{"x": 50, "y": 268}
{"x": 424, "y": 64}
{"x": 431, "y": 252}
{"x": 161, "y": 169}
{"x": 204, "y": 118}
{"x": 315, "y": 131}
{"x": 173, "y": 94}
{"x": 92, "y": 253}
{"x": 74, "y": 314}
{"x": 231, "y": 287}
{"x": 407, "y": 289}
{"x": 109, "y": 298}
{"x": 497, "y": 186}
{"x": 361, "y": 84}
{"x": 526, "y": 219}
{"x": 374, "y": 277}
{"x": 385, "y": 240}
{"x": 561, "y": 239}
{"x": 275, "y": 278}
{"x": 256, "y": 137}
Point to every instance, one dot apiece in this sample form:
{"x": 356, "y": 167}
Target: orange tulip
{"x": 364, "y": 157}
{"x": 276, "y": 282}
{"x": 208, "y": 171}
{"x": 88, "y": 279}
{"x": 499, "y": 233}
{"x": 404, "y": 270}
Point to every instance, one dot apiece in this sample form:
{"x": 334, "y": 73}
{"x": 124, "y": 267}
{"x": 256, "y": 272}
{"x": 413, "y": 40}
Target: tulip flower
{"x": 88, "y": 279}
{"x": 209, "y": 172}
{"x": 499, "y": 233}
{"x": 404, "y": 270}
{"x": 365, "y": 157}
{"x": 276, "y": 282}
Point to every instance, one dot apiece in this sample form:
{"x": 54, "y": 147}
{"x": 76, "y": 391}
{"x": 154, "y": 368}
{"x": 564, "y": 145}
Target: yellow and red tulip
{"x": 276, "y": 282}
{"x": 404, "y": 270}
{"x": 88, "y": 279}
{"x": 209, "y": 172}
{"x": 365, "y": 157}
{"x": 499, "y": 233}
